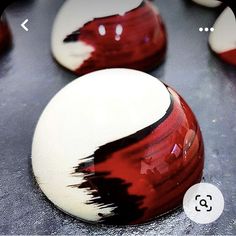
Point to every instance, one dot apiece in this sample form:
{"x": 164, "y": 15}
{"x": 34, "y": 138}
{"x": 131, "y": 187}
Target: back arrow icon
{"x": 23, "y": 25}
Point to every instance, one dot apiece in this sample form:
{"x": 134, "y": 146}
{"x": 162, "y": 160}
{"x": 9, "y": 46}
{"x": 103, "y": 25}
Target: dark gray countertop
{"x": 29, "y": 78}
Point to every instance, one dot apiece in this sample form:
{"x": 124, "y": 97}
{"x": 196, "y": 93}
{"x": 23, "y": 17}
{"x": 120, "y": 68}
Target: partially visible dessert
{"x": 208, "y": 3}
{"x": 109, "y": 34}
{"x": 223, "y": 39}
{"x": 5, "y": 35}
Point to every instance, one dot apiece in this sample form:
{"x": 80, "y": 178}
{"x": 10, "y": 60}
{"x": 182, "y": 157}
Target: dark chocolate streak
{"x": 73, "y": 37}
{"x": 113, "y": 192}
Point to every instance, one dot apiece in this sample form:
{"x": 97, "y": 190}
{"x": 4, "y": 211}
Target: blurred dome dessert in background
{"x": 223, "y": 39}
{"x": 208, "y": 3}
{"x": 91, "y": 35}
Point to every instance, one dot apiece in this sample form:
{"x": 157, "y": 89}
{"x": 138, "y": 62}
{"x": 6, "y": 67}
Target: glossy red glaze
{"x": 154, "y": 172}
{"x": 229, "y": 56}
{"x": 135, "y": 40}
{"x": 5, "y": 35}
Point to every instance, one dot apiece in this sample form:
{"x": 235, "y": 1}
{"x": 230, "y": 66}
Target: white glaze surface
{"x": 91, "y": 111}
{"x": 72, "y": 16}
{"x": 223, "y": 38}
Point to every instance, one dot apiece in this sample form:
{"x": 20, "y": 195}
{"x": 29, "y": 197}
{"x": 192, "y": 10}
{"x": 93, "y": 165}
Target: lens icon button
{"x": 203, "y": 203}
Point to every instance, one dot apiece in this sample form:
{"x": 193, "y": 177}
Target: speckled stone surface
{"x": 29, "y": 78}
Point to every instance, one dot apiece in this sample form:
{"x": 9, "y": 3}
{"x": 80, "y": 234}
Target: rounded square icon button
{"x": 203, "y": 203}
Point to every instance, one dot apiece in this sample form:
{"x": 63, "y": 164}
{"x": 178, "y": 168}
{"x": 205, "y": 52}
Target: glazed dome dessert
{"x": 110, "y": 34}
{"x": 117, "y": 146}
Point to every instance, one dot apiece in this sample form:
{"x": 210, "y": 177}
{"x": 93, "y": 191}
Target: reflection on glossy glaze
{"x": 135, "y": 38}
{"x": 5, "y": 36}
{"x": 223, "y": 39}
{"x": 122, "y": 148}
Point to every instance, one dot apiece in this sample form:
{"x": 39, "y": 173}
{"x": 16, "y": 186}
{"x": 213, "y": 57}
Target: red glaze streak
{"x": 161, "y": 166}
